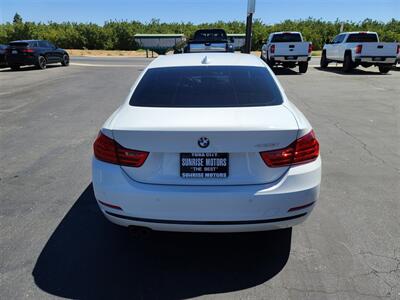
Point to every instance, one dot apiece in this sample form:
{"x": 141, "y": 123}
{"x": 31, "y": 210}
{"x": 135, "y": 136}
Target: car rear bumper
{"x": 295, "y": 58}
{"x": 20, "y": 60}
{"x": 207, "y": 208}
{"x": 391, "y": 60}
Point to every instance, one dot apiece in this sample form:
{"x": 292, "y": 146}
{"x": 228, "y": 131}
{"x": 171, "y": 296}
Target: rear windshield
{"x": 215, "y": 34}
{"x": 286, "y": 38}
{"x": 18, "y": 44}
{"x": 362, "y": 38}
{"x": 206, "y": 86}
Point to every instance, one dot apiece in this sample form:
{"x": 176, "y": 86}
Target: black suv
{"x": 34, "y": 52}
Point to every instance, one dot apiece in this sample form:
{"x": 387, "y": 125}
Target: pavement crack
{"x": 364, "y": 146}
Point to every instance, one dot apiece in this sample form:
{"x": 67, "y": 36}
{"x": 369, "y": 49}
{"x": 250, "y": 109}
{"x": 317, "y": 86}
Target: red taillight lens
{"x": 307, "y": 148}
{"x": 108, "y": 150}
{"x": 398, "y": 49}
{"x": 272, "y": 49}
{"x": 303, "y": 150}
{"x": 310, "y": 48}
{"x": 27, "y": 50}
{"x": 358, "y": 49}
{"x": 131, "y": 158}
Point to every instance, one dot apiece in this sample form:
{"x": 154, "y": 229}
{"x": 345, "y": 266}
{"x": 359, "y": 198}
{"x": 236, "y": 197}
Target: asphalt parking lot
{"x": 55, "y": 243}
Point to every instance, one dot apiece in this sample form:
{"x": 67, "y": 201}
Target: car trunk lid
{"x": 242, "y": 133}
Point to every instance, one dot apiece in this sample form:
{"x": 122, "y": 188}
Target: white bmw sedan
{"x": 207, "y": 143}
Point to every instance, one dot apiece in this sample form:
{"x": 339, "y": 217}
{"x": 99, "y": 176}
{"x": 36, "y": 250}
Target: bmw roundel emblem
{"x": 203, "y": 142}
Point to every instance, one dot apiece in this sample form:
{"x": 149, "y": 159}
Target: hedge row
{"x": 118, "y": 35}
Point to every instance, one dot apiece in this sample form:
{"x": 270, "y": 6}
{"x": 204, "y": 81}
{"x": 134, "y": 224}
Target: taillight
{"x": 303, "y": 150}
{"x": 310, "y": 48}
{"x": 272, "y": 49}
{"x": 108, "y": 150}
{"x": 398, "y": 49}
{"x": 358, "y": 49}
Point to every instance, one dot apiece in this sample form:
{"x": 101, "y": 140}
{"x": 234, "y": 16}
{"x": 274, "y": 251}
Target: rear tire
{"x": 41, "y": 63}
{"x": 269, "y": 63}
{"x": 303, "y": 66}
{"x": 324, "y": 61}
{"x": 384, "y": 69}
{"x": 15, "y": 67}
{"x": 65, "y": 60}
{"x": 347, "y": 63}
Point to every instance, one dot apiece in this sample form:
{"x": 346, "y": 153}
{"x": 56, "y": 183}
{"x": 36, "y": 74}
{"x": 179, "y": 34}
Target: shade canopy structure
{"x": 159, "y": 43}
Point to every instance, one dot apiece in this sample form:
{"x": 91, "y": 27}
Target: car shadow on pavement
{"x": 29, "y": 68}
{"x": 285, "y": 71}
{"x": 89, "y": 258}
{"x": 338, "y": 70}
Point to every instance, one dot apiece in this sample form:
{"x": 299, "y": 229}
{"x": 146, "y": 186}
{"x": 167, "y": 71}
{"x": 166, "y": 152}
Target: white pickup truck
{"x": 287, "y": 49}
{"x": 360, "y": 48}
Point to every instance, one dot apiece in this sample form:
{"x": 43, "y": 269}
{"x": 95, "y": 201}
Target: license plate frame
{"x": 203, "y": 165}
{"x": 14, "y": 52}
{"x": 378, "y": 59}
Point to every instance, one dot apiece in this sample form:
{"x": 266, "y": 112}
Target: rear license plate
{"x": 204, "y": 165}
{"x": 378, "y": 58}
{"x": 14, "y": 52}
{"x": 290, "y": 57}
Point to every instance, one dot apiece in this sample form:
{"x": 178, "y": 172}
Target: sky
{"x": 196, "y": 11}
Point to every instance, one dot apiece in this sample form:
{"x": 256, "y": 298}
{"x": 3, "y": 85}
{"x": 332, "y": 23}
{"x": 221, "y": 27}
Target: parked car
{"x": 398, "y": 53}
{"x": 360, "y": 48}
{"x": 34, "y": 52}
{"x": 209, "y": 40}
{"x": 228, "y": 152}
{"x": 3, "y": 55}
{"x": 287, "y": 49}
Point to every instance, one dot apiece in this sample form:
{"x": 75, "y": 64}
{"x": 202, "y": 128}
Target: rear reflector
{"x": 272, "y": 49}
{"x": 108, "y": 150}
{"x": 303, "y": 150}
{"x": 358, "y": 49}
{"x": 300, "y": 207}
{"x": 110, "y": 205}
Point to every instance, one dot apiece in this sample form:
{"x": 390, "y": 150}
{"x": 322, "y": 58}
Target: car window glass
{"x": 206, "y": 86}
{"x": 338, "y": 39}
{"x": 18, "y": 44}
{"x": 362, "y": 38}
{"x": 286, "y": 37}
{"x": 43, "y": 44}
{"x": 215, "y": 34}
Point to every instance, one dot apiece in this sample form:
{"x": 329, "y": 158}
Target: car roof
{"x": 281, "y": 32}
{"x": 25, "y": 41}
{"x": 356, "y": 32}
{"x": 206, "y": 59}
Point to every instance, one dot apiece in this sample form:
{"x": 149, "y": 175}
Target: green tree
{"x": 17, "y": 19}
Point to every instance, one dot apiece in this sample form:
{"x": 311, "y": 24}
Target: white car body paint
{"x": 253, "y": 197}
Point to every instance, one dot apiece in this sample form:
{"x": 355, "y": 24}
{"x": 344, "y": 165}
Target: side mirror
{"x": 328, "y": 41}
{"x": 231, "y": 39}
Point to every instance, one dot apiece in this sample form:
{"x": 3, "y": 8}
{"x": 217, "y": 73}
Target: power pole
{"x": 251, "y": 7}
